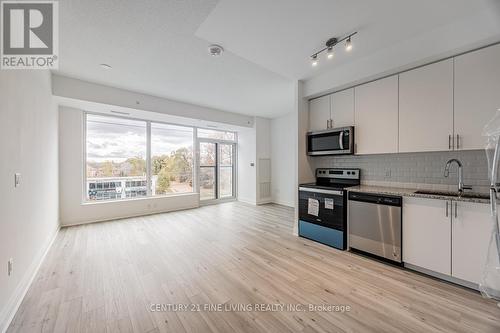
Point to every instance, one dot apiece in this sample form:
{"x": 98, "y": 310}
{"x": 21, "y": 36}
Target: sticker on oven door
{"x": 313, "y": 207}
{"x": 328, "y": 203}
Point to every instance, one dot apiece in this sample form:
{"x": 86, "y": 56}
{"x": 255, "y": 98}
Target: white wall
{"x": 283, "y": 156}
{"x": 72, "y": 208}
{"x": 246, "y": 172}
{"x": 304, "y": 165}
{"x": 29, "y": 213}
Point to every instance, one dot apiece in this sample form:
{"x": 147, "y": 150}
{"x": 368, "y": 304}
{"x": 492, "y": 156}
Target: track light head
{"x": 314, "y": 60}
{"x": 329, "y": 52}
{"x": 348, "y": 44}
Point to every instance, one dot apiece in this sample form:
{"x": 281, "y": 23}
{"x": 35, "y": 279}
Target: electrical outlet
{"x": 17, "y": 179}
{"x": 10, "y": 266}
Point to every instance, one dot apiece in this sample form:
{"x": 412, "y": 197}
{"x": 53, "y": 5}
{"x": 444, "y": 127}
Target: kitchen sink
{"x": 471, "y": 195}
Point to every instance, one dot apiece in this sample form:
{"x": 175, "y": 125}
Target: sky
{"x": 116, "y": 139}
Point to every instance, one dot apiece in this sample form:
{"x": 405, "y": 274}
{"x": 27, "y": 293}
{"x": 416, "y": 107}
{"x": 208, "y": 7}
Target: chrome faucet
{"x": 461, "y": 186}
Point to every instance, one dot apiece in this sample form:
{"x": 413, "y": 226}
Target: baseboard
{"x": 17, "y": 297}
{"x": 74, "y": 224}
{"x": 264, "y": 201}
{"x": 248, "y": 201}
{"x": 284, "y": 203}
{"x": 444, "y": 277}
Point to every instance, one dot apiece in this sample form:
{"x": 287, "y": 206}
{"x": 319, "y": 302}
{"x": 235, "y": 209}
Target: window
{"x": 226, "y": 170}
{"x": 129, "y": 158}
{"x": 116, "y": 154}
{"x": 208, "y": 170}
{"x": 171, "y": 159}
{"x": 215, "y": 134}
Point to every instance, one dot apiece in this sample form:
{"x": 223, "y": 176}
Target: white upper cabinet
{"x": 427, "y": 234}
{"x": 477, "y": 94}
{"x": 426, "y": 108}
{"x": 471, "y": 230}
{"x": 342, "y": 108}
{"x": 319, "y": 113}
{"x": 376, "y": 116}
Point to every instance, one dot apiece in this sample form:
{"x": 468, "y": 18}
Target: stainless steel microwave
{"x": 337, "y": 141}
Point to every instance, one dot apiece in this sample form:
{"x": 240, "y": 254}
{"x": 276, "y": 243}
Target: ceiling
{"x": 159, "y": 47}
{"x": 281, "y": 35}
{"x": 152, "y": 48}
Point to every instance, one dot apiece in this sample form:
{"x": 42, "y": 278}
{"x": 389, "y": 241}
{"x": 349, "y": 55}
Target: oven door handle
{"x": 318, "y": 190}
{"x": 341, "y": 140}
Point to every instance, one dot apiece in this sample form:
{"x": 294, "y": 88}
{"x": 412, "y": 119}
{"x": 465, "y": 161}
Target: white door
{"x": 342, "y": 108}
{"x": 426, "y": 108}
{"x": 471, "y": 231}
{"x": 319, "y": 113}
{"x": 427, "y": 234}
{"x": 376, "y": 116}
{"x": 477, "y": 94}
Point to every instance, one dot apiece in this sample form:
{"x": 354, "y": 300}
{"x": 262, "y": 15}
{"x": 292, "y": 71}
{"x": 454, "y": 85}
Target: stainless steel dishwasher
{"x": 375, "y": 224}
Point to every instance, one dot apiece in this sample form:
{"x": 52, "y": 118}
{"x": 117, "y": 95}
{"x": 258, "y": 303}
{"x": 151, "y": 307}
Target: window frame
{"x": 218, "y": 142}
{"x": 86, "y": 200}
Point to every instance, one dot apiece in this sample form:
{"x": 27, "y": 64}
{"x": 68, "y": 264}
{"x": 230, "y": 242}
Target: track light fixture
{"x": 330, "y": 44}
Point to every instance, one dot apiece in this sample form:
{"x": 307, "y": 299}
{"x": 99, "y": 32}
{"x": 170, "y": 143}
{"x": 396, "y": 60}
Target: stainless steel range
{"x": 323, "y": 206}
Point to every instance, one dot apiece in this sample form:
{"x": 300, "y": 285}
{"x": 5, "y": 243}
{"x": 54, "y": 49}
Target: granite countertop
{"x": 409, "y": 192}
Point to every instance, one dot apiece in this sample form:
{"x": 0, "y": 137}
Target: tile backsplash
{"x": 414, "y": 170}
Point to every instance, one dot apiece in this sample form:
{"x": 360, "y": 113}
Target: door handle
{"x": 341, "y": 140}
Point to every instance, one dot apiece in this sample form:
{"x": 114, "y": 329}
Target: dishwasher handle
{"x": 377, "y": 199}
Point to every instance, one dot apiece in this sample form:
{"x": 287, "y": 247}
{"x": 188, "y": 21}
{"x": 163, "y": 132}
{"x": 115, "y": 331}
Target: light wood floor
{"x": 105, "y": 276}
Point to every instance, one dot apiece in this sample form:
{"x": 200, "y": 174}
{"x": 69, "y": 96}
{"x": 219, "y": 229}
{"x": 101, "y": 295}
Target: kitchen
{"x": 250, "y": 166}
{"x": 401, "y": 173}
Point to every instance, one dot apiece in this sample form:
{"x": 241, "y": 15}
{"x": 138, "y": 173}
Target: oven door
{"x": 331, "y": 142}
{"x": 322, "y": 207}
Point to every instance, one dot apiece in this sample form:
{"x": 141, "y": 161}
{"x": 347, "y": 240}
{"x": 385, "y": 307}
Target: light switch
{"x": 17, "y": 179}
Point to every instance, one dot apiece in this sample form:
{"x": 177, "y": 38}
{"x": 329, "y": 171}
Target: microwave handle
{"x": 341, "y": 140}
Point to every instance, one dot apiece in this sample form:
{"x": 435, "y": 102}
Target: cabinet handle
{"x": 447, "y": 209}
{"x": 328, "y": 123}
{"x": 458, "y": 141}
{"x": 449, "y": 141}
{"x": 456, "y": 209}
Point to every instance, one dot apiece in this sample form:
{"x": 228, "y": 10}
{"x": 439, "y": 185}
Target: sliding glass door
{"x": 208, "y": 171}
{"x": 216, "y": 170}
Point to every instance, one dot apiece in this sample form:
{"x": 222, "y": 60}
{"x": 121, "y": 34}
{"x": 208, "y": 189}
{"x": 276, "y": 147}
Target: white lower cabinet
{"x": 427, "y": 234}
{"x": 471, "y": 231}
{"x": 446, "y": 236}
